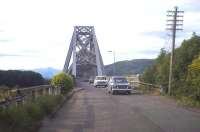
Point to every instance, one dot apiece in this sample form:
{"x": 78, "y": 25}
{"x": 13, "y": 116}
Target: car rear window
{"x": 100, "y": 78}
{"x": 120, "y": 80}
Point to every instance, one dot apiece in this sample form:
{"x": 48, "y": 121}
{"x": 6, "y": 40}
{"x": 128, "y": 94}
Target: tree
{"x": 185, "y": 79}
{"x": 149, "y": 75}
{"x": 12, "y": 78}
{"x": 184, "y": 55}
{"x": 162, "y": 68}
{"x": 64, "y": 81}
{"x": 193, "y": 79}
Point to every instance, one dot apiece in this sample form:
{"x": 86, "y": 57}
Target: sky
{"x": 37, "y": 33}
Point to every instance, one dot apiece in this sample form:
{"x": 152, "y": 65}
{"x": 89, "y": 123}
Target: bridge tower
{"x": 85, "y": 54}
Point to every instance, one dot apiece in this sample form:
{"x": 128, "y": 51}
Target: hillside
{"x": 122, "y": 68}
{"x": 135, "y": 66}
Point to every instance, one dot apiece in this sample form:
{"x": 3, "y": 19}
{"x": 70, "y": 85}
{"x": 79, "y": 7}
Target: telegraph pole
{"x": 174, "y": 23}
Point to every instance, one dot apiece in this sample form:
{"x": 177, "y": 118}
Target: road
{"x": 94, "y": 110}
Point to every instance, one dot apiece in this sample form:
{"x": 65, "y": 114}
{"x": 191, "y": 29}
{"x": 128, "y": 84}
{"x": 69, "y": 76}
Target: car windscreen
{"x": 120, "y": 80}
{"x": 100, "y": 78}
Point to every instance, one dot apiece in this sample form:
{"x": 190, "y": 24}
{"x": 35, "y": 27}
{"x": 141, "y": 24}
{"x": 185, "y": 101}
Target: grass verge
{"x": 188, "y": 102}
{"x": 27, "y": 117}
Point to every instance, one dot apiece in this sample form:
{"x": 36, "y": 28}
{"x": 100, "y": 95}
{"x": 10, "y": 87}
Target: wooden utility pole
{"x": 174, "y": 23}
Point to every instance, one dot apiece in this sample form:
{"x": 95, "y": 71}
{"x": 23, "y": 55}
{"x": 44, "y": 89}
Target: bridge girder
{"x": 85, "y": 54}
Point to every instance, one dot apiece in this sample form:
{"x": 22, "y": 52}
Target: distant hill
{"x": 136, "y": 66}
{"x": 47, "y": 72}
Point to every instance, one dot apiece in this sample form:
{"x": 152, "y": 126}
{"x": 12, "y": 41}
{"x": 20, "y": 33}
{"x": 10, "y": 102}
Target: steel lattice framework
{"x": 85, "y": 54}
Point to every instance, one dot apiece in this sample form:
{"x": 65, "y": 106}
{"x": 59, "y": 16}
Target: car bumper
{"x": 105, "y": 85}
{"x": 114, "y": 89}
{"x": 122, "y": 90}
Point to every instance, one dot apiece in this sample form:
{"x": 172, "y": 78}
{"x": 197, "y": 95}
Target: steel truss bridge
{"x": 84, "y": 54}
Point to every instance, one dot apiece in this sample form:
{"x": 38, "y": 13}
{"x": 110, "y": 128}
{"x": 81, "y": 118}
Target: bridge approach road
{"x": 94, "y": 110}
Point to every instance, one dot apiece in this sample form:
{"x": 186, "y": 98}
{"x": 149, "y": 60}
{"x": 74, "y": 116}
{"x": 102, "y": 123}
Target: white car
{"x": 100, "y": 81}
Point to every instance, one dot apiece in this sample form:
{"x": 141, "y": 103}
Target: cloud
{"x": 9, "y": 55}
{"x": 166, "y": 34}
{"x": 159, "y": 34}
{"x": 191, "y": 6}
{"x": 134, "y": 28}
{"x": 149, "y": 52}
{"x": 15, "y": 55}
{"x": 29, "y": 51}
{"x": 162, "y": 34}
{"x": 6, "y": 40}
{"x": 192, "y": 28}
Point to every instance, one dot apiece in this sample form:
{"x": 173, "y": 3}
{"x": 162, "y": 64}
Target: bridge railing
{"x": 145, "y": 87}
{"x": 19, "y": 96}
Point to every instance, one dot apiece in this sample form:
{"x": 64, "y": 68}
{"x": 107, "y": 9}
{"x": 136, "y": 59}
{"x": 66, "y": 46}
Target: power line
{"x": 174, "y": 23}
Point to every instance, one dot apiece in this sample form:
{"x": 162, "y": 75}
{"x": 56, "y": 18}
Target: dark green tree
{"x": 183, "y": 77}
{"x": 12, "y": 78}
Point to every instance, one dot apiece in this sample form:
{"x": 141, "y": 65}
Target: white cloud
{"x": 42, "y": 29}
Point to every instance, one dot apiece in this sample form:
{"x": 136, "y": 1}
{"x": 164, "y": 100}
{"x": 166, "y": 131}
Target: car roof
{"x": 118, "y": 77}
{"x": 100, "y": 76}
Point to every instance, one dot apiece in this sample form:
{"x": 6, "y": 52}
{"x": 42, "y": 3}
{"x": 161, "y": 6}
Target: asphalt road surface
{"x": 94, "y": 110}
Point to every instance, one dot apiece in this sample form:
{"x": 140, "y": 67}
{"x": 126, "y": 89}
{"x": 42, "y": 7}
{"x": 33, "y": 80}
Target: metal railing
{"x": 133, "y": 83}
{"x": 145, "y": 87}
{"x": 19, "y": 96}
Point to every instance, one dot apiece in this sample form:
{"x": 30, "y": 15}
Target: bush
{"x": 48, "y": 103}
{"x": 187, "y": 101}
{"x": 34, "y": 111}
{"x": 64, "y": 81}
{"x": 15, "y": 119}
{"x": 24, "y": 118}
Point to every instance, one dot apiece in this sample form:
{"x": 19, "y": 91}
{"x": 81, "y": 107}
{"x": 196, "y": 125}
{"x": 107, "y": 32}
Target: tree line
{"x": 17, "y": 78}
{"x": 186, "y": 69}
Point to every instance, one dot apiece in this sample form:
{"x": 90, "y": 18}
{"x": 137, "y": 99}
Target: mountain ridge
{"x": 126, "y": 67}
{"x": 48, "y": 72}
{"x": 129, "y": 67}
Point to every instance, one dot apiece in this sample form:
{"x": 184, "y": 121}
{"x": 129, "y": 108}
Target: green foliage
{"x": 23, "y": 118}
{"x": 34, "y": 110}
{"x": 158, "y": 73}
{"x": 186, "y": 75}
{"x": 162, "y": 68}
{"x": 193, "y": 79}
{"x": 12, "y": 78}
{"x": 187, "y": 101}
{"x": 64, "y": 81}
{"x": 148, "y": 76}
{"x": 48, "y": 103}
